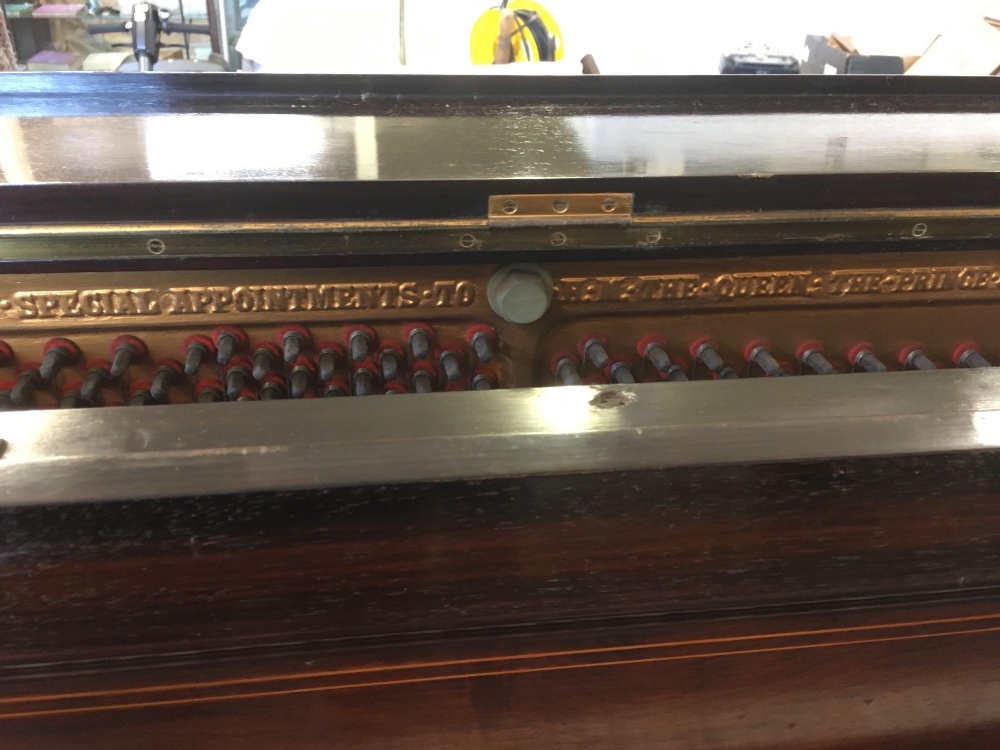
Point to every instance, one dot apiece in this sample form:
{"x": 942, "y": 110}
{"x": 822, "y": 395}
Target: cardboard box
{"x": 105, "y": 62}
{"x": 969, "y": 49}
{"x": 836, "y": 55}
{"x": 883, "y": 51}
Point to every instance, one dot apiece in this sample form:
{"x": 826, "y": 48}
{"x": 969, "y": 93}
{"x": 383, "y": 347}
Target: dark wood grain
{"x": 905, "y": 677}
{"x": 211, "y": 573}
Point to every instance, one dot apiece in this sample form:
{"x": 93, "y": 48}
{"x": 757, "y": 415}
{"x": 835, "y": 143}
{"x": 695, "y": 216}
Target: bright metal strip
{"x": 374, "y": 238}
{"x": 145, "y": 452}
{"x": 394, "y": 225}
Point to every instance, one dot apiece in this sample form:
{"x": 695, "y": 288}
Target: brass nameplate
{"x": 247, "y": 299}
{"x": 805, "y": 284}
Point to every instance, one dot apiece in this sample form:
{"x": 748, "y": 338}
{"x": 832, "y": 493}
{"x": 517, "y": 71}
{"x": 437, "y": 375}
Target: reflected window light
{"x": 15, "y": 166}
{"x": 234, "y": 147}
{"x": 568, "y": 410}
{"x": 987, "y": 427}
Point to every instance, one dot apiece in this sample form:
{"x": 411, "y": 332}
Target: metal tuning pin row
{"x": 655, "y": 362}
{"x": 654, "y": 359}
{"x": 289, "y": 365}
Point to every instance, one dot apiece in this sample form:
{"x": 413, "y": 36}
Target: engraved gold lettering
{"x": 201, "y": 300}
{"x": 221, "y": 300}
{"x": 25, "y": 302}
{"x": 69, "y": 304}
{"x": 243, "y": 299}
{"x": 444, "y": 293}
{"x": 47, "y": 304}
{"x": 465, "y": 293}
{"x": 591, "y": 291}
{"x": 258, "y": 298}
{"x": 367, "y": 296}
{"x": 566, "y": 290}
{"x": 90, "y": 303}
{"x": 275, "y": 299}
{"x": 409, "y": 295}
{"x": 123, "y": 303}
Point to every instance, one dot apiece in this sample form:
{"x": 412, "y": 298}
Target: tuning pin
{"x": 654, "y": 349}
{"x": 484, "y": 379}
{"x": 388, "y": 357}
{"x": 98, "y": 373}
{"x": 197, "y": 349}
{"x": 69, "y": 397}
{"x": 595, "y": 348}
{"x": 451, "y": 357}
{"x": 363, "y": 378}
{"x": 423, "y": 377}
{"x": 6, "y": 402}
{"x": 913, "y": 357}
{"x": 482, "y": 338}
{"x": 208, "y": 391}
{"x": 228, "y": 340}
{"x": 861, "y": 355}
{"x": 419, "y": 337}
{"x": 58, "y": 353}
{"x": 139, "y": 395}
{"x": 706, "y": 352}
{"x": 272, "y": 388}
{"x": 168, "y": 372}
{"x": 266, "y": 355}
{"x": 759, "y": 353}
{"x": 28, "y": 381}
{"x": 360, "y": 339}
{"x": 394, "y": 387}
{"x": 565, "y": 367}
{"x": 968, "y": 355}
{"x": 618, "y": 371}
{"x": 237, "y": 375}
{"x": 810, "y": 354}
{"x": 675, "y": 374}
{"x": 327, "y": 358}
{"x": 334, "y": 388}
{"x": 300, "y": 374}
{"x": 294, "y": 341}
{"x": 125, "y": 352}
{"x": 6, "y": 354}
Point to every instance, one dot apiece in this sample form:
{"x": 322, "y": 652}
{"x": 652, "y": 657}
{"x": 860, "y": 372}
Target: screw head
{"x": 509, "y": 207}
{"x": 919, "y": 230}
{"x": 156, "y": 247}
{"x": 467, "y": 240}
{"x": 653, "y": 236}
{"x": 560, "y": 205}
{"x": 609, "y": 204}
{"x": 558, "y": 239}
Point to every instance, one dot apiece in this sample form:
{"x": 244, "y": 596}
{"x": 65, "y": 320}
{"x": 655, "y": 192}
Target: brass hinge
{"x": 560, "y": 209}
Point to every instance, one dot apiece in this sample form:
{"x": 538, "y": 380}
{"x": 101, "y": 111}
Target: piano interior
{"x": 562, "y": 529}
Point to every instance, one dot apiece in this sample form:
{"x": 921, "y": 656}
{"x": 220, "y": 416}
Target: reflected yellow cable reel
{"x": 487, "y": 27}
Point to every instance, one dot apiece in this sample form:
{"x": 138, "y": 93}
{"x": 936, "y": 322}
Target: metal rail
{"x": 119, "y": 454}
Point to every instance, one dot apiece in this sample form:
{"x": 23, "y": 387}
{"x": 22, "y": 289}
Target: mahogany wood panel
{"x": 903, "y": 677}
{"x": 138, "y": 578}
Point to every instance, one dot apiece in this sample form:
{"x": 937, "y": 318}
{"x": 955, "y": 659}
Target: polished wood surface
{"x": 827, "y": 604}
{"x": 906, "y": 677}
{"x": 213, "y": 573}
